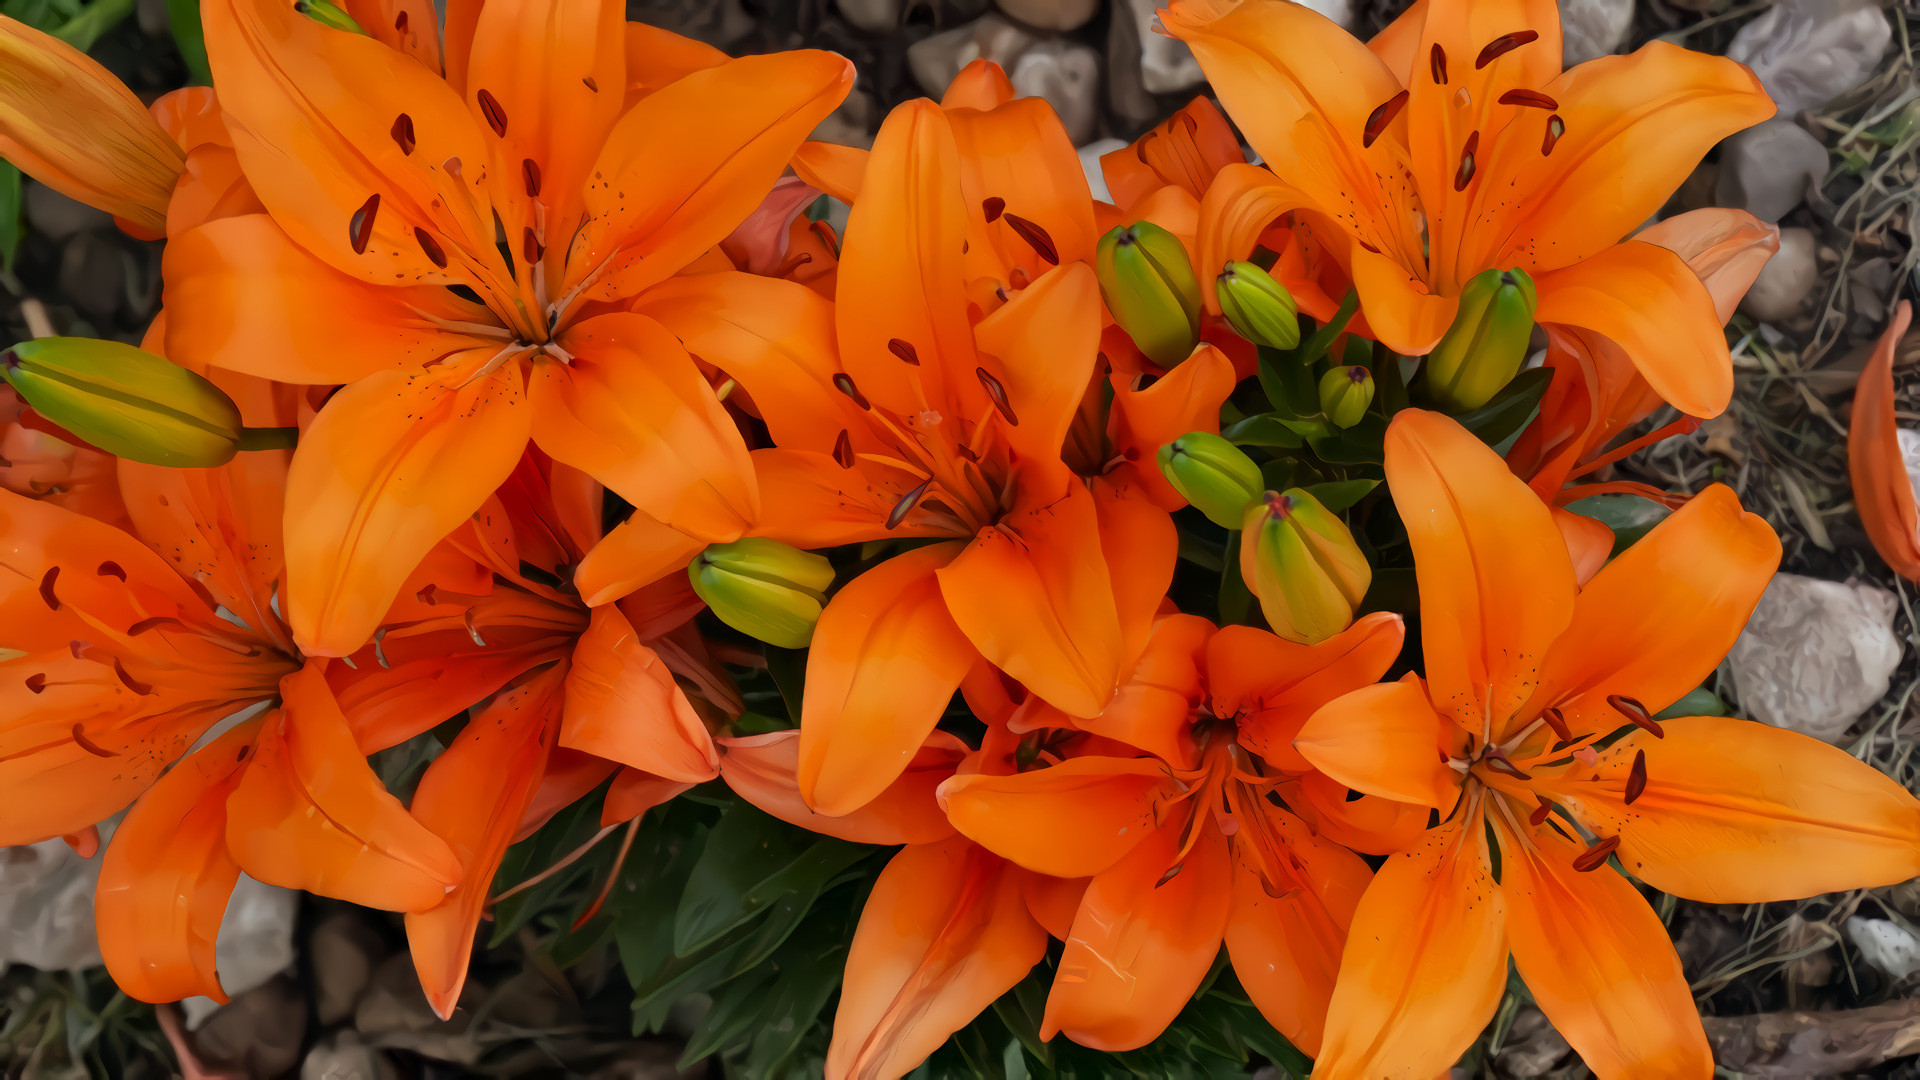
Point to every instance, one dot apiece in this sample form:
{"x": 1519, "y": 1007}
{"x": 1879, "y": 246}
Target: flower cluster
{"x": 495, "y": 353}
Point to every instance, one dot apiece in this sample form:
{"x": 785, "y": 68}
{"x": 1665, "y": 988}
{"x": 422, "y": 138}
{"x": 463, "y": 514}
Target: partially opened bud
{"x": 1212, "y": 474}
{"x": 1299, "y": 559}
{"x": 1148, "y": 284}
{"x": 1487, "y": 343}
{"x": 764, "y": 589}
{"x": 68, "y": 123}
{"x": 126, "y": 401}
{"x": 1345, "y": 393}
{"x": 1259, "y": 308}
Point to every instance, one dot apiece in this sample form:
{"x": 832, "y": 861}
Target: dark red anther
{"x": 1464, "y": 174}
{"x": 999, "y": 395}
{"x": 430, "y": 247}
{"x": 46, "y": 587}
{"x": 1379, "y": 119}
{"x": 530, "y": 177}
{"x": 1596, "y": 856}
{"x": 360, "y": 228}
{"x": 590, "y": 84}
{"x": 907, "y": 503}
{"x": 1036, "y": 238}
{"x": 78, "y": 647}
{"x": 91, "y": 747}
{"x": 904, "y": 350}
{"x": 1556, "y": 127}
{"x": 966, "y": 451}
{"x": 1540, "y": 813}
{"x": 1557, "y": 720}
{"x": 1437, "y": 61}
{"x": 1532, "y": 99}
{"x": 1637, "y": 777}
{"x": 37, "y": 682}
{"x": 402, "y": 133}
{"x": 1503, "y": 45}
{"x": 530, "y": 249}
{"x": 111, "y": 569}
{"x": 145, "y": 625}
{"x": 135, "y": 685}
{"x": 843, "y": 382}
{"x": 496, "y": 116}
{"x": 992, "y": 207}
{"x": 400, "y": 23}
{"x": 843, "y": 449}
{"x": 1637, "y": 713}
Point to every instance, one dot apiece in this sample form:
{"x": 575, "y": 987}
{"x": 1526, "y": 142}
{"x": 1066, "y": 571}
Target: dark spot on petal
{"x": 360, "y": 228}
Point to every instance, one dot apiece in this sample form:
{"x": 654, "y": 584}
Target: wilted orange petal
{"x": 1877, "y": 468}
{"x": 762, "y": 769}
{"x": 623, "y": 705}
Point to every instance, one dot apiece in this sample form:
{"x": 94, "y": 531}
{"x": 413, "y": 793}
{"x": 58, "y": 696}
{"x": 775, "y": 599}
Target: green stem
{"x": 269, "y": 438}
{"x": 93, "y": 22}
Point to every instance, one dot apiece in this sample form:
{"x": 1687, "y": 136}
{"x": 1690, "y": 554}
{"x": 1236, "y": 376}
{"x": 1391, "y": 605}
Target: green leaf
{"x": 1698, "y": 701}
{"x": 12, "y": 222}
{"x": 788, "y": 669}
{"x": 753, "y": 860}
{"x": 1263, "y": 429}
{"x": 1199, "y": 551}
{"x": 1510, "y": 409}
{"x": 190, "y": 39}
{"x": 93, "y": 22}
{"x": 1236, "y": 602}
{"x": 1289, "y": 385}
{"x": 1362, "y": 444}
{"x": 1338, "y": 495}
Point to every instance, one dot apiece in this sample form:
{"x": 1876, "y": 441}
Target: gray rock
{"x": 342, "y": 1056}
{"x": 345, "y": 951}
{"x": 258, "y": 1033}
{"x": 1767, "y": 169}
{"x": 1591, "y": 29}
{"x": 1786, "y": 284}
{"x": 1809, "y": 52}
{"x": 46, "y": 907}
{"x": 1166, "y": 64}
{"x": 872, "y": 16}
{"x": 255, "y": 942}
{"x": 1053, "y": 15}
{"x": 1090, "y": 156}
{"x": 1886, "y": 945}
{"x": 1067, "y": 75}
{"x": 1532, "y": 1047}
{"x": 852, "y": 124}
{"x": 1816, "y": 655}
{"x": 935, "y": 61}
{"x": 394, "y": 1013}
{"x": 57, "y": 217}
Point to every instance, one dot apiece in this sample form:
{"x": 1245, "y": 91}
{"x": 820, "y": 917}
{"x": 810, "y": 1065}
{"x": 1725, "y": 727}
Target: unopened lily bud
{"x": 1345, "y": 393}
{"x": 764, "y": 589}
{"x": 328, "y": 14}
{"x": 126, "y": 401}
{"x": 1259, "y": 308}
{"x": 70, "y": 124}
{"x": 1148, "y": 284}
{"x": 1212, "y": 474}
{"x": 1299, "y": 558}
{"x": 1487, "y": 343}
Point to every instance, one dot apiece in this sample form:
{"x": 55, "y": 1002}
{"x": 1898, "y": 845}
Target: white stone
{"x": 46, "y": 907}
{"x": 1067, "y": 75}
{"x": 1050, "y": 14}
{"x": 1886, "y": 945}
{"x": 1781, "y": 290}
{"x": 1591, "y": 29}
{"x": 872, "y": 16}
{"x": 1809, "y": 52}
{"x": 1816, "y": 655}
{"x": 255, "y": 943}
{"x": 1767, "y": 169}
{"x": 1166, "y": 64}
{"x": 1910, "y": 455}
{"x": 935, "y": 61}
{"x": 1090, "y": 156}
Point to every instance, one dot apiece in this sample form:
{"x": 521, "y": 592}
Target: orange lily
{"x": 1512, "y": 737}
{"x": 929, "y": 401}
{"x": 1596, "y": 393}
{"x": 374, "y": 265}
{"x": 1184, "y": 848}
{"x": 70, "y": 124}
{"x": 1881, "y": 487}
{"x": 1456, "y": 144}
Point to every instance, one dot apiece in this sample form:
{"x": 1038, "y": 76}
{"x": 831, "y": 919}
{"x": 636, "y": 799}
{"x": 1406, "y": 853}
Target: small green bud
{"x": 1345, "y": 393}
{"x": 764, "y": 589}
{"x": 327, "y": 13}
{"x": 126, "y": 401}
{"x": 1212, "y": 474}
{"x": 1487, "y": 343}
{"x": 1299, "y": 558}
{"x": 1259, "y": 308}
{"x": 1148, "y": 284}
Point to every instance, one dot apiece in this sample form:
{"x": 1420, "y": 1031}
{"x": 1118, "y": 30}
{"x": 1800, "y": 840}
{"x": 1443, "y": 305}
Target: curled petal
{"x": 622, "y": 704}
{"x": 762, "y": 769}
{"x": 1881, "y": 488}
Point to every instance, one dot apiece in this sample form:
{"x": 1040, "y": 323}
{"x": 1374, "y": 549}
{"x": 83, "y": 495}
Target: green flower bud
{"x": 1259, "y": 308}
{"x": 764, "y": 589}
{"x": 327, "y": 13}
{"x": 126, "y": 401}
{"x": 1212, "y": 474}
{"x": 1299, "y": 559}
{"x": 1487, "y": 343}
{"x": 1345, "y": 393}
{"x": 1147, "y": 281}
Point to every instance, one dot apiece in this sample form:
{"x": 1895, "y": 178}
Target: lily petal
{"x": 623, "y": 705}
{"x": 1384, "y": 740}
{"x": 1875, "y": 464}
{"x": 1726, "y": 248}
{"x": 638, "y": 552}
{"x": 763, "y": 770}
{"x": 1042, "y": 346}
{"x": 1273, "y": 685}
{"x": 1070, "y": 820}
